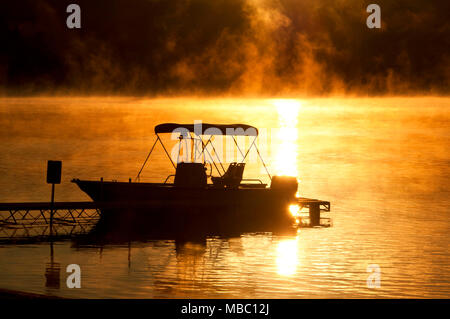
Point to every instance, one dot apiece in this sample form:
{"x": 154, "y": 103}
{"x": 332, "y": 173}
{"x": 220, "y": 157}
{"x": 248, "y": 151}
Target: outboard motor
{"x": 285, "y": 184}
{"x": 190, "y": 175}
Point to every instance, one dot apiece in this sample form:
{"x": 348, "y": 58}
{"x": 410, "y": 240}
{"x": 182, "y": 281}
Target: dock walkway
{"x": 34, "y": 212}
{"x": 69, "y": 217}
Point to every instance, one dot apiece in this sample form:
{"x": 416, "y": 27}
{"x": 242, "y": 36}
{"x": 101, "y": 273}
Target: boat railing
{"x": 252, "y": 180}
{"x": 171, "y": 175}
{"x": 256, "y": 180}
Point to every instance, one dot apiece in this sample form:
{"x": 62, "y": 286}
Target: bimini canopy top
{"x": 208, "y": 129}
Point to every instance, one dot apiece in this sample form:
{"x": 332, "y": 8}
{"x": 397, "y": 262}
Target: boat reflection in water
{"x": 195, "y": 200}
{"x": 122, "y": 226}
{"x": 177, "y": 265}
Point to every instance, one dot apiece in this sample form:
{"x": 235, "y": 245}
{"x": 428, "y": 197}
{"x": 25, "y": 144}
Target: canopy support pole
{"x": 148, "y": 156}
{"x": 212, "y": 159}
{"x": 214, "y": 149}
{"x": 248, "y": 151}
{"x": 242, "y": 154}
{"x": 257, "y": 150}
{"x": 145, "y": 162}
{"x": 260, "y": 157}
{"x": 167, "y": 153}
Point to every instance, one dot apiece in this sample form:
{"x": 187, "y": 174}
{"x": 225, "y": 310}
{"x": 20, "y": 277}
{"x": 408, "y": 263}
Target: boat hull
{"x": 208, "y": 207}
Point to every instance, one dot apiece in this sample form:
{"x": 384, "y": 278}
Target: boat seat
{"x": 232, "y": 177}
{"x": 190, "y": 175}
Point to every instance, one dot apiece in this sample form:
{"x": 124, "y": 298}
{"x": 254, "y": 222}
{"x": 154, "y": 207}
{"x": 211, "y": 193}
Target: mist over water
{"x": 300, "y": 71}
{"x": 230, "y": 47}
{"x": 383, "y": 163}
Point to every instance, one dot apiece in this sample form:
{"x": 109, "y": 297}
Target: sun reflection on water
{"x": 287, "y": 257}
{"x": 287, "y": 135}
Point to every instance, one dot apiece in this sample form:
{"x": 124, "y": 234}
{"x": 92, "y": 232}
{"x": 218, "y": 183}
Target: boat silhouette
{"x": 194, "y": 198}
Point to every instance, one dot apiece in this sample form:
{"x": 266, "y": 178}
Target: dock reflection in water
{"x": 382, "y": 163}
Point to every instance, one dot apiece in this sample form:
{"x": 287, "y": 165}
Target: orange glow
{"x": 286, "y": 151}
{"x": 287, "y": 259}
{"x": 294, "y": 210}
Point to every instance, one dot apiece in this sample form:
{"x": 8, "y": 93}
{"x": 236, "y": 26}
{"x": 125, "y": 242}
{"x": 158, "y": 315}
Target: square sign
{"x": 54, "y": 172}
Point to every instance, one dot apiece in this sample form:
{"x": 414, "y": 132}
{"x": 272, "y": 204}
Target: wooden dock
{"x": 32, "y": 213}
{"x": 315, "y": 207}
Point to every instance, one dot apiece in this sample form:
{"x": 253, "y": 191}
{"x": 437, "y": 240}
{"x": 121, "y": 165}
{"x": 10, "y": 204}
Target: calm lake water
{"x": 383, "y": 163}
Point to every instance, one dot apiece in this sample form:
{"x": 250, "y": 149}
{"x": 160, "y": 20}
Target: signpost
{"x": 53, "y": 177}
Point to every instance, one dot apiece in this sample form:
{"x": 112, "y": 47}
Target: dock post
{"x": 314, "y": 214}
{"x": 52, "y": 208}
{"x": 53, "y": 177}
